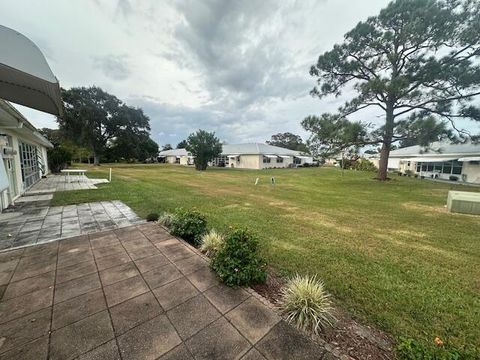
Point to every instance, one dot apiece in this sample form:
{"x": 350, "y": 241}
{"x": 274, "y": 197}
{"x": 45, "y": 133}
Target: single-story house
{"x": 23, "y": 154}
{"x": 176, "y": 156}
{"x": 459, "y": 162}
{"x": 244, "y": 156}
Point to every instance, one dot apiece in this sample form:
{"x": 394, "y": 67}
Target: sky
{"x": 239, "y": 68}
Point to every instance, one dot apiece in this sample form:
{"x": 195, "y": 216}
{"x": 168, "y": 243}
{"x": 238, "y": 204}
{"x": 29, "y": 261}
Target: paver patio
{"x": 133, "y": 293}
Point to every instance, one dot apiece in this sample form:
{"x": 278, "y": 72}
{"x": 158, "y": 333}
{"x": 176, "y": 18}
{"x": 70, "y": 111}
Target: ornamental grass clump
{"x": 211, "y": 242}
{"x": 306, "y": 304}
{"x": 166, "y": 219}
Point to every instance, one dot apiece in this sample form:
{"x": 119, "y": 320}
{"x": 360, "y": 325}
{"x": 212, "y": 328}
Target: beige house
{"x": 456, "y": 162}
{"x": 244, "y": 156}
{"x": 23, "y": 154}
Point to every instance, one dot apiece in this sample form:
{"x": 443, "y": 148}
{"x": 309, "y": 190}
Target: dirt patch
{"x": 347, "y": 336}
{"x": 425, "y": 208}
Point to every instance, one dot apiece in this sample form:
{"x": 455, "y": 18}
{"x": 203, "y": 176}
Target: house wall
{"x": 472, "y": 172}
{"x": 15, "y": 173}
{"x": 245, "y": 162}
{"x": 170, "y": 159}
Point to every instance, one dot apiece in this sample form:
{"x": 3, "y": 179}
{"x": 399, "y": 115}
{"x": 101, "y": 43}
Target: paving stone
{"x": 26, "y": 270}
{"x": 47, "y": 249}
{"x": 151, "y": 262}
{"x": 37, "y": 259}
{"x": 161, "y": 276}
{"x": 118, "y": 273}
{"x": 286, "y": 342}
{"x": 142, "y": 252}
{"x": 179, "y": 353}
{"x": 253, "y": 354}
{"x": 34, "y": 350}
{"x": 190, "y": 264}
{"x": 6, "y": 270}
{"x": 124, "y": 290}
{"x": 75, "y": 271}
{"x": 77, "y": 308}
{"x": 107, "y": 351}
{"x": 207, "y": 344}
{"x": 134, "y": 311}
{"x": 253, "y": 319}
{"x": 167, "y": 244}
{"x": 149, "y": 340}
{"x": 74, "y": 257}
{"x": 175, "y": 293}
{"x": 74, "y": 244}
{"x": 108, "y": 251}
{"x": 203, "y": 279}
{"x": 28, "y": 285}
{"x": 106, "y": 240}
{"x": 25, "y": 304}
{"x": 113, "y": 260}
{"x": 80, "y": 337}
{"x": 192, "y": 316}
{"x": 20, "y": 331}
{"x": 76, "y": 287}
{"x": 177, "y": 252}
{"x": 225, "y": 298}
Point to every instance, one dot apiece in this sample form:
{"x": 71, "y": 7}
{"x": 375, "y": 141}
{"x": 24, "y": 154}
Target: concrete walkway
{"x": 35, "y": 222}
{"x": 133, "y": 293}
{"x": 54, "y": 183}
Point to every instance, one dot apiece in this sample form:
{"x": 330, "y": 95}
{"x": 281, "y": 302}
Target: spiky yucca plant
{"x": 306, "y": 303}
{"x": 211, "y": 242}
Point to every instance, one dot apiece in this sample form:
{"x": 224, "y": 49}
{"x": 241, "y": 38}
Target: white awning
{"x": 25, "y": 77}
{"x": 271, "y": 156}
{"x": 232, "y": 156}
{"x": 430, "y": 159}
{"x": 303, "y": 157}
{"x": 284, "y": 156}
{"x": 472, "y": 158}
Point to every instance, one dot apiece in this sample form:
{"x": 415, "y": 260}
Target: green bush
{"x": 306, "y": 304}
{"x": 364, "y": 165}
{"x": 237, "y": 262}
{"x": 190, "y": 225}
{"x": 211, "y": 242}
{"x": 166, "y": 219}
{"x": 410, "y": 349}
{"x": 58, "y": 158}
{"x": 152, "y": 217}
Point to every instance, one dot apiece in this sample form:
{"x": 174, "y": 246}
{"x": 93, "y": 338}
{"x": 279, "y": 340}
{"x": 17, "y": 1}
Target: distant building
{"x": 23, "y": 158}
{"x": 460, "y": 162}
{"x": 244, "y": 156}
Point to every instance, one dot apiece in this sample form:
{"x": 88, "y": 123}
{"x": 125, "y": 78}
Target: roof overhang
{"x": 271, "y": 156}
{"x": 431, "y": 159}
{"x": 25, "y": 77}
{"x": 471, "y": 158}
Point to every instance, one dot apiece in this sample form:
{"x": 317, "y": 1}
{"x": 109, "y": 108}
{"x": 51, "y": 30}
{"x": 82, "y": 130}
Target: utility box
{"x": 464, "y": 202}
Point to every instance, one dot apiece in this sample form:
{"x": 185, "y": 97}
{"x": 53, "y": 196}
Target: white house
{"x": 459, "y": 162}
{"x": 244, "y": 156}
{"x": 23, "y": 154}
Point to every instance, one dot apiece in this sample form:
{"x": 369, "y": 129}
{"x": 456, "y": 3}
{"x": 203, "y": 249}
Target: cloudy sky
{"x": 239, "y": 68}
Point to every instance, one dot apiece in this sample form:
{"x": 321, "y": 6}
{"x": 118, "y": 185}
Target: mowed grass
{"x": 388, "y": 251}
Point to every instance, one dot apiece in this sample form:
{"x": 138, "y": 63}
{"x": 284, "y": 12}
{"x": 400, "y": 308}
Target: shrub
{"x": 453, "y": 178}
{"x": 408, "y": 173}
{"x": 365, "y": 165}
{"x": 306, "y": 303}
{"x": 58, "y": 158}
{"x": 152, "y": 217}
{"x": 410, "y": 349}
{"x": 211, "y": 242}
{"x": 190, "y": 225}
{"x": 166, "y": 219}
{"x": 237, "y": 262}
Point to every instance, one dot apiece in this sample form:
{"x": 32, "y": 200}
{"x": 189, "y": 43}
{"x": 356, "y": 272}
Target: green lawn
{"x": 389, "y": 252}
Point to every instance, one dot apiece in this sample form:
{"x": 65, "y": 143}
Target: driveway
{"x": 133, "y": 293}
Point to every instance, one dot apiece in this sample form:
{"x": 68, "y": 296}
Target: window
{"x": 447, "y": 168}
{"x": 456, "y": 167}
{"x": 297, "y": 161}
{"x": 419, "y": 167}
{"x": 29, "y": 164}
{"x": 266, "y": 160}
{"x": 279, "y": 160}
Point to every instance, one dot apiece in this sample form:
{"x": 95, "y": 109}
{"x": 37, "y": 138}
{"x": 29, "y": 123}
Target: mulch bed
{"x": 347, "y": 336}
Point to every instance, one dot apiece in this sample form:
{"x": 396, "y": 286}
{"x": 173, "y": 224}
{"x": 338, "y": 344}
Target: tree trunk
{"x": 96, "y": 160}
{"x": 386, "y": 145}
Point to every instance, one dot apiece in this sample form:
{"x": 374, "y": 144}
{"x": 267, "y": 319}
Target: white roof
{"x": 257, "y": 149}
{"x": 174, "y": 152}
{"x": 25, "y": 77}
{"x": 472, "y": 158}
{"x": 431, "y": 159}
{"x": 437, "y": 149}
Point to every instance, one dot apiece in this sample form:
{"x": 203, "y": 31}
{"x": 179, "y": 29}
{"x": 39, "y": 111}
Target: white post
{"x": 110, "y": 176}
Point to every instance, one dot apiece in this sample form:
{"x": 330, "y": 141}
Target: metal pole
{"x": 110, "y": 176}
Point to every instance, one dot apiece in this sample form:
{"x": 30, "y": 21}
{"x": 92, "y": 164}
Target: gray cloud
{"x": 115, "y": 67}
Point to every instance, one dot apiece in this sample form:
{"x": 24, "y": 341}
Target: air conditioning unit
{"x": 8, "y": 152}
